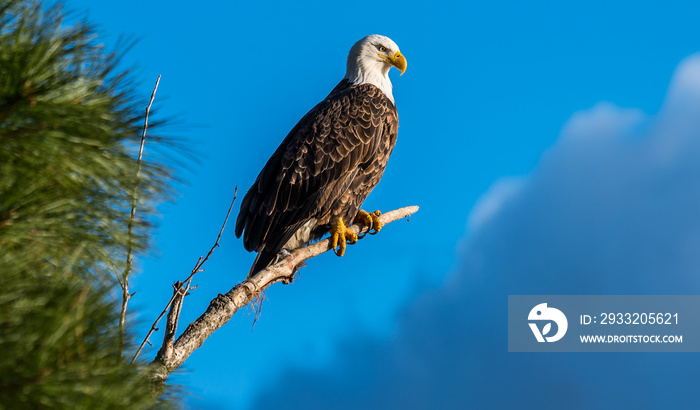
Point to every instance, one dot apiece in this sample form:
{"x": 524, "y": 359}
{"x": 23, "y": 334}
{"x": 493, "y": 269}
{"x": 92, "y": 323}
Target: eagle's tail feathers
{"x": 263, "y": 260}
{"x": 274, "y": 250}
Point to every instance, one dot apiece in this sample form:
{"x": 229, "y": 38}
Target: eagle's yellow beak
{"x": 398, "y": 61}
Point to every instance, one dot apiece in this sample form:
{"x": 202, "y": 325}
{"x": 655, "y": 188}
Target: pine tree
{"x": 69, "y": 128}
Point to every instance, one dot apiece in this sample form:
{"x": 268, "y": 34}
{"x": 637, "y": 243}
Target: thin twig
{"x": 124, "y": 282}
{"x": 197, "y": 268}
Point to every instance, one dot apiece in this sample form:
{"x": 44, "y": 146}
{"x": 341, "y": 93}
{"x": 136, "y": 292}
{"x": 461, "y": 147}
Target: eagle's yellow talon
{"x": 340, "y": 234}
{"x": 370, "y": 220}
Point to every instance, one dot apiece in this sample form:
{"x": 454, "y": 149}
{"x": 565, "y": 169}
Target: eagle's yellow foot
{"x": 370, "y": 220}
{"x": 340, "y": 234}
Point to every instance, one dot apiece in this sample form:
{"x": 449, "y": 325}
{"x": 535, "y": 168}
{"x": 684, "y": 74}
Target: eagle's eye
{"x": 382, "y": 49}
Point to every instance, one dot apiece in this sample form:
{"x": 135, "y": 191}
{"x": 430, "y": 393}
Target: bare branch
{"x": 124, "y": 282}
{"x": 197, "y": 268}
{"x": 180, "y": 290}
{"x": 223, "y": 307}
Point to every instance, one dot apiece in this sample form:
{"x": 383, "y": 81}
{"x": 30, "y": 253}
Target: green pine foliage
{"x": 70, "y": 125}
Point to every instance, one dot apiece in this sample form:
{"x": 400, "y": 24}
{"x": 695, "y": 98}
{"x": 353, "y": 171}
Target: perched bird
{"x": 321, "y": 173}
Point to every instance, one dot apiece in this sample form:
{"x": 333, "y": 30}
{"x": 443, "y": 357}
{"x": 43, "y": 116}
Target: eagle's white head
{"x": 371, "y": 58}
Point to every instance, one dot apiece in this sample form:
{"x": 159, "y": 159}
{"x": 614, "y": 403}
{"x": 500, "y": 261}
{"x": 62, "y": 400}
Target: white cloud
{"x": 491, "y": 203}
{"x": 685, "y": 86}
{"x": 603, "y": 121}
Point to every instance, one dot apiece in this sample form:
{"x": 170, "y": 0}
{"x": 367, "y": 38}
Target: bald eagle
{"x": 321, "y": 173}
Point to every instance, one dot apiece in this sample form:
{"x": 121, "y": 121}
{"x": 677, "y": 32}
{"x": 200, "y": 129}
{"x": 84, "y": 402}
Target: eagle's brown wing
{"x": 332, "y": 149}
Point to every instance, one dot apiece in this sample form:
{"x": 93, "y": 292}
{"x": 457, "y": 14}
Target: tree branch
{"x": 180, "y": 290}
{"x": 124, "y": 280}
{"x": 222, "y": 308}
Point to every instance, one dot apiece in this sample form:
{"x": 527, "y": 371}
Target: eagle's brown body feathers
{"x": 323, "y": 170}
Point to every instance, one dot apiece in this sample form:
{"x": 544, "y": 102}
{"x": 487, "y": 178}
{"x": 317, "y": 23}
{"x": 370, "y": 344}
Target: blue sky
{"x": 549, "y": 145}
